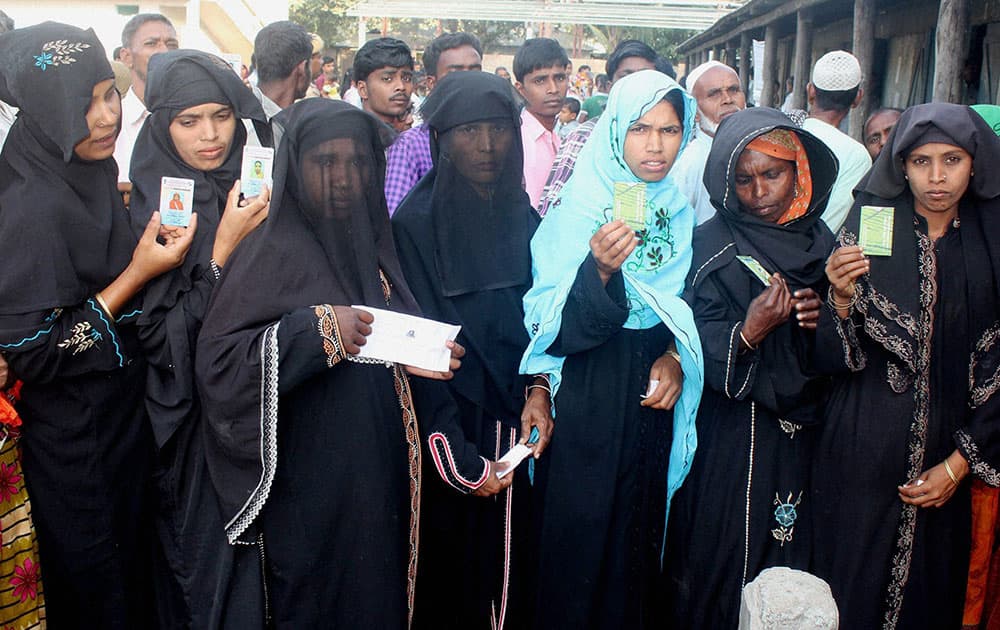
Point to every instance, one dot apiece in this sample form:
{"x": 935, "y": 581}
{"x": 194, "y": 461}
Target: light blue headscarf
{"x": 655, "y": 272}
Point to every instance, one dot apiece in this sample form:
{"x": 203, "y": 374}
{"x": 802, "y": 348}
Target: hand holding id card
{"x": 176, "y": 198}
{"x": 255, "y": 173}
{"x": 630, "y": 204}
{"x": 756, "y": 269}
{"x": 875, "y": 234}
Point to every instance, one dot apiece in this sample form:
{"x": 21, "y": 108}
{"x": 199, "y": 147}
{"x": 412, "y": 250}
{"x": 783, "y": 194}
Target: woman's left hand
{"x": 937, "y": 487}
{"x": 457, "y": 352}
{"x": 667, "y": 370}
{"x": 806, "y": 303}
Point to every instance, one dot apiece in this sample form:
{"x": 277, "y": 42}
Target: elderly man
{"x": 878, "y": 127}
{"x": 717, "y": 89}
{"x": 835, "y": 89}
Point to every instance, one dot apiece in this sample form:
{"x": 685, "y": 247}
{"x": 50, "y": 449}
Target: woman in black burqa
{"x": 314, "y": 451}
{"x": 463, "y": 235}
{"x": 67, "y": 326}
{"x": 914, "y": 408}
{"x": 196, "y": 103}
{"x": 745, "y": 505}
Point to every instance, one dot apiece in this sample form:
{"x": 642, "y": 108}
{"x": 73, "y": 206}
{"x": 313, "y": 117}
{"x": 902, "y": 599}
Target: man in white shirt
{"x": 143, "y": 36}
{"x": 717, "y": 89}
{"x": 835, "y": 89}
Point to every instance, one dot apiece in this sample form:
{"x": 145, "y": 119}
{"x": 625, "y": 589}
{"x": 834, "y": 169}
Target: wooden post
{"x": 770, "y": 66}
{"x": 803, "y": 57}
{"x": 718, "y": 53}
{"x": 951, "y": 50}
{"x": 864, "y": 50}
{"x": 731, "y": 54}
{"x": 745, "y": 42}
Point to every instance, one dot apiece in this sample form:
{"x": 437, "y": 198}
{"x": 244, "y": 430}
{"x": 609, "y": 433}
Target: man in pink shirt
{"x": 541, "y": 70}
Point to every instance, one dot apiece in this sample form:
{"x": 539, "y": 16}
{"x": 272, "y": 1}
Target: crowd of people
{"x": 732, "y": 338}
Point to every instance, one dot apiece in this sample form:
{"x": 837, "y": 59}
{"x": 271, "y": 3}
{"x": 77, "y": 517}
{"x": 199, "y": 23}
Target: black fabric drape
{"x": 54, "y": 206}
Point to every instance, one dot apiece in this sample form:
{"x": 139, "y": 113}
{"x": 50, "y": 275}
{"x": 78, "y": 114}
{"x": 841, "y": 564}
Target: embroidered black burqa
{"x": 468, "y": 262}
{"x": 919, "y": 370}
{"x": 200, "y": 560}
{"x": 65, "y": 235}
{"x": 315, "y": 458}
{"x": 756, "y": 423}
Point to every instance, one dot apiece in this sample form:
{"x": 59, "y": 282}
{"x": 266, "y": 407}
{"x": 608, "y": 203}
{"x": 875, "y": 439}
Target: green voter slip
{"x": 630, "y": 204}
{"x": 875, "y": 235}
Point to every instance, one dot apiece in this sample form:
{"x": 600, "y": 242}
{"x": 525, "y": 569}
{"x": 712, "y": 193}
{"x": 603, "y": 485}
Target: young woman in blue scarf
{"x": 621, "y": 352}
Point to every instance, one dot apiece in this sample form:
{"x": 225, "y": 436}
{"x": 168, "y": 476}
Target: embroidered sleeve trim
{"x": 268, "y": 437}
{"x": 114, "y": 340}
{"x": 978, "y": 466}
{"x": 983, "y": 386}
{"x": 734, "y": 342}
{"x": 444, "y": 460}
{"x": 329, "y": 332}
{"x": 82, "y": 337}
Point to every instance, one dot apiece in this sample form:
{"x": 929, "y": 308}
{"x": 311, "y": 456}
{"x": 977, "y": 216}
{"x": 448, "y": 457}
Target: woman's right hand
{"x": 611, "y": 246}
{"x": 767, "y": 311}
{"x": 150, "y": 258}
{"x": 843, "y": 268}
{"x": 354, "y": 325}
{"x": 238, "y": 221}
{"x": 494, "y": 485}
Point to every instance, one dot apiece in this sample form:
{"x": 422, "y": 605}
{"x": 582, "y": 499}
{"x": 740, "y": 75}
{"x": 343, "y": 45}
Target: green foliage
{"x": 326, "y": 18}
{"x": 662, "y": 40}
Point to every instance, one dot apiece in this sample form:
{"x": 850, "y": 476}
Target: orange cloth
{"x": 785, "y": 145}
{"x": 985, "y": 507}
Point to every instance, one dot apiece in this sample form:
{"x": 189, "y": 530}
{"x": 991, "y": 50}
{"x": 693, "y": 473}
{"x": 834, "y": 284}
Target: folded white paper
{"x": 408, "y": 340}
{"x": 514, "y": 456}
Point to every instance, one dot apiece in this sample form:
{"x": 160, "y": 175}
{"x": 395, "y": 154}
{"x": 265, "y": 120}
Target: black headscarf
{"x": 896, "y": 278}
{"x": 64, "y": 233}
{"x": 797, "y": 249}
{"x": 484, "y": 250}
{"x": 178, "y": 80}
{"x": 306, "y": 253}
{"x": 455, "y": 245}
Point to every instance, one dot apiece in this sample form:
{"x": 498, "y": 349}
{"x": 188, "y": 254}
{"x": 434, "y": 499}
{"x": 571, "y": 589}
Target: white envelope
{"x": 408, "y": 340}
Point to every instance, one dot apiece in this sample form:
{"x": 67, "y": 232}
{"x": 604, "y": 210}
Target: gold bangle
{"x": 837, "y": 305}
{"x": 951, "y": 473}
{"x": 744, "y": 339}
{"x": 673, "y": 353}
{"x": 104, "y": 305}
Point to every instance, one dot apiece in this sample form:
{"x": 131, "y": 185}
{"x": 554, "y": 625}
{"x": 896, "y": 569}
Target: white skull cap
{"x": 695, "y": 74}
{"x": 837, "y": 71}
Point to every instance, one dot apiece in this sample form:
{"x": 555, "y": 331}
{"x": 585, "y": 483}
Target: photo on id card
{"x": 255, "y": 173}
{"x": 176, "y": 199}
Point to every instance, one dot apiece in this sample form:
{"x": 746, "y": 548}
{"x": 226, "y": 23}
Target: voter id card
{"x": 756, "y": 269}
{"x": 875, "y": 235}
{"x": 255, "y": 173}
{"x": 630, "y": 204}
{"x": 176, "y": 199}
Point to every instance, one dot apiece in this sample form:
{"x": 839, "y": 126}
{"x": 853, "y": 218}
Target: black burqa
{"x": 467, "y": 259}
{"x": 207, "y": 572}
{"x": 745, "y": 506}
{"x": 919, "y": 351}
{"x": 315, "y": 457}
{"x": 65, "y": 236}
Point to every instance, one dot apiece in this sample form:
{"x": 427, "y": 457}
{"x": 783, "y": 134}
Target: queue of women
{"x": 204, "y": 447}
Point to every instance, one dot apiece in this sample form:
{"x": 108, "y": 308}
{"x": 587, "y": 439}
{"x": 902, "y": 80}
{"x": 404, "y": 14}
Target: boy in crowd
{"x": 567, "y": 117}
{"x": 383, "y": 69}
{"x": 542, "y": 79}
